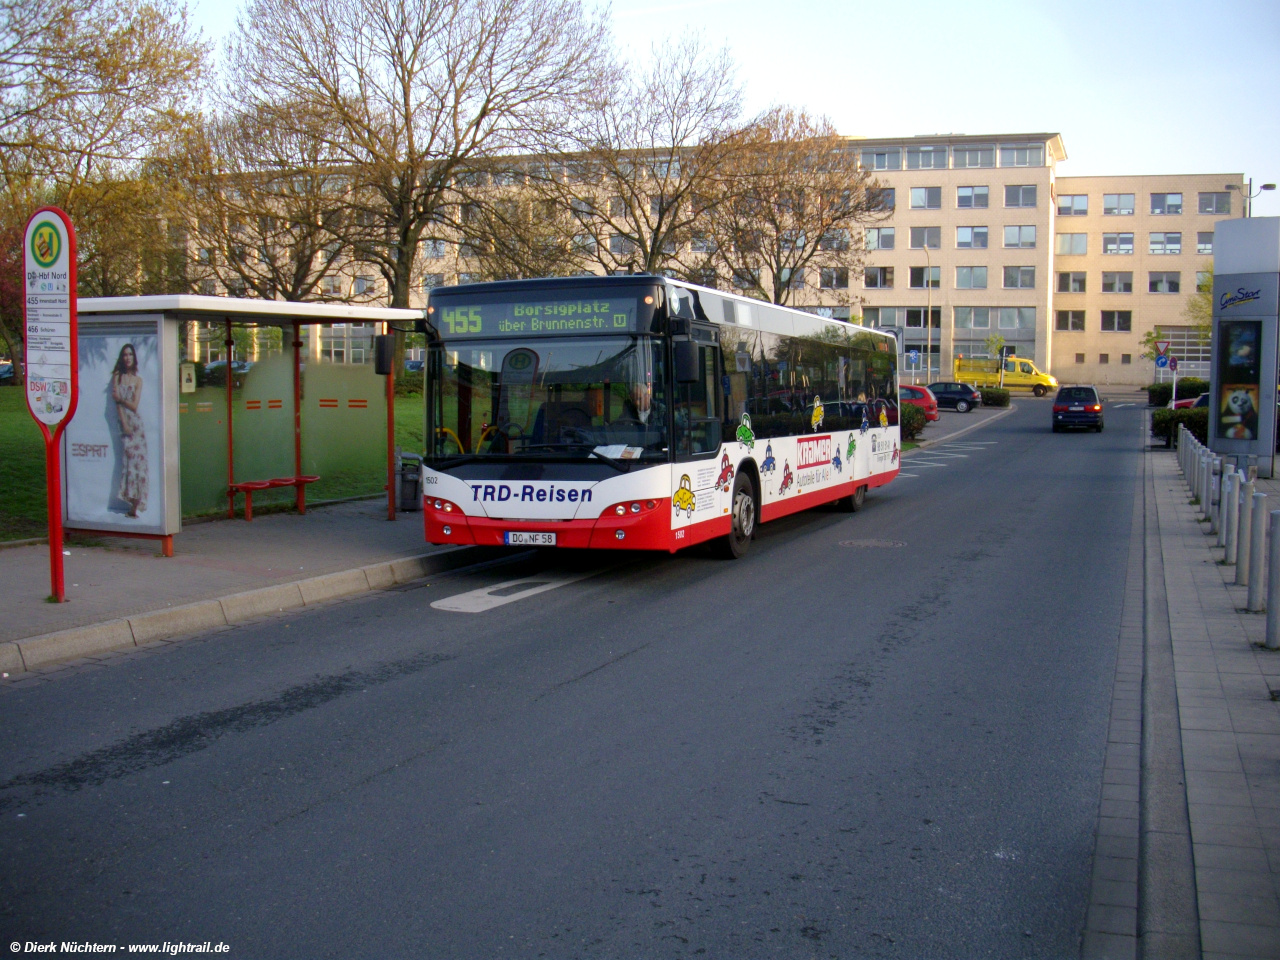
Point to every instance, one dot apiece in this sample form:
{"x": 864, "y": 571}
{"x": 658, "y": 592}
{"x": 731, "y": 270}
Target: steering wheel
{"x": 509, "y": 429}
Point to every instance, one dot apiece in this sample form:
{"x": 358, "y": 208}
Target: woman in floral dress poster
{"x": 126, "y": 391}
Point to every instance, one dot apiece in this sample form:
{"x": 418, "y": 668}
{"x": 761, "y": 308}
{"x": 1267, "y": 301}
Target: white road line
{"x": 939, "y": 453}
{"x": 498, "y": 594}
{"x": 917, "y": 462}
{"x": 901, "y": 475}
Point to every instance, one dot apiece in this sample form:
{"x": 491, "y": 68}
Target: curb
{"x": 921, "y": 444}
{"x": 34, "y": 653}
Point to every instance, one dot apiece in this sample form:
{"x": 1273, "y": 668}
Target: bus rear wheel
{"x": 853, "y": 502}
{"x": 743, "y": 515}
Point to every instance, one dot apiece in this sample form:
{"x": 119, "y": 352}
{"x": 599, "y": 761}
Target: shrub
{"x": 911, "y": 419}
{"x": 1164, "y": 423}
{"x": 994, "y": 397}
{"x": 1159, "y": 394}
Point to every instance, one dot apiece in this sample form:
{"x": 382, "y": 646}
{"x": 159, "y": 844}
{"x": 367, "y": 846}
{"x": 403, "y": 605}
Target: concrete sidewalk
{"x": 1230, "y": 728}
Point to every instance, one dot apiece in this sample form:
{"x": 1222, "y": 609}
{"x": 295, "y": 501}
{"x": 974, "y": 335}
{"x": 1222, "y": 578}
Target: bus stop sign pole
{"x": 51, "y": 355}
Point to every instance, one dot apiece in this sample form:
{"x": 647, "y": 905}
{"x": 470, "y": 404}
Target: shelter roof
{"x": 241, "y": 310}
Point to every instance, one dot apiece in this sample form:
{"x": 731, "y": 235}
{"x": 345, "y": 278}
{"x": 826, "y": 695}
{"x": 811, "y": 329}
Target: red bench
{"x": 249, "y": 487}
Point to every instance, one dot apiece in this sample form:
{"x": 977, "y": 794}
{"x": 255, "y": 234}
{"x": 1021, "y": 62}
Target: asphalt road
{"x": 822, "y": 750}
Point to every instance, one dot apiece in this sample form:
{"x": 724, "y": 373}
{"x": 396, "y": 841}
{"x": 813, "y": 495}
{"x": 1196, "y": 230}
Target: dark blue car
{"x": 1077, "y": 407}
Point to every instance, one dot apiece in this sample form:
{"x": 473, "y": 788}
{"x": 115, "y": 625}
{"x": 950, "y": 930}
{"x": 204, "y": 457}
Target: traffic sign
{"x": 913, "y": 357}
{"x": 1173, "y": 364}
{"x": 52, "y": 355}
{"x": 1162, "y": 361}
{"x": 1162, "y": 347}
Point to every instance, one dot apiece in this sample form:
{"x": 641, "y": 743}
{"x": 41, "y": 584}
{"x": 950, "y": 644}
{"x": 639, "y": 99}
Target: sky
{"x": 1134, "y": 88}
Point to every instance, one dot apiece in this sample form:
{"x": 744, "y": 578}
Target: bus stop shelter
{"x": 159, "y": 436}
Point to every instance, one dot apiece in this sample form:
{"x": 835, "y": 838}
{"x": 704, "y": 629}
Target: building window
{"x": 1079, "y": 358}
{"x": 1019, "y": 278}
{"x": 467, "y": 276}
{"x": 834, "y": 240}
{"x": 926, "y": 238}
{"x": 878, "y": 278}
{"x": 432, "y": 280}
{"x": 1166, "y": 203}
{"x": 208, "y": 288}
{"x": 1070, "y": 320}
{"x": 1071, "y": 282}
{"x": 1117, "y": 243}
{"x": 1164, "y": 282}
{"x": 1204, "y": 281}
{"x": 1117, "y": 204}
{"x": 1073, "y": 205}
{"x": 1117, "y": 321}
{"x": 620, "y": 246}
{"x": 971, "y": 238}
{"x": 434, "y": 249}
{"x": 331, "y": 286}
{"x": 926, "y": 198}
{"x": 1218, "y": 204}
{"x": 1022, "y": 155}
{"x": 1204, "y": 243}
{"x": 1072, "y": 244}
{"x": 975, "y": 198}
{"x": 1164, "y": 243}
{"x": 882, "y": 159}
{"x": 1104, "y": 358}
{"x": 1119, "y": 282}
{"x": 792, "y": 279}
{"x": 880, "y": 238}
{"x": 882, "y": 198}
{"x": 364, "y": 286}
{"x": 974, "y": 156}
{"x": 1020, "y": 196}
{"x": 1126, "y": 358}
{"x": 915, "y": 317}
{"x": 973, "y": 318}
{"x": 837, "y": 278}
{"x": 926, "y": 158}
{"x": 919, "y": 275}
{"x": 1023, "y": 236}
{"x": 586, "y": 243}
{"x": 971, "y": 278}
{"x": 1017, "y": 318}
{"x": 882, "y": 316}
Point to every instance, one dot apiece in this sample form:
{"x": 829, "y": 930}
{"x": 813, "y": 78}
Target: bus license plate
{"x": 517, "y": 539}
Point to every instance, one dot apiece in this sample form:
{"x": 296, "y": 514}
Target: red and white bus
{"x": 640, "y": 412}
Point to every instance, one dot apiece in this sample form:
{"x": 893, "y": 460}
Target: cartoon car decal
{"x": 853, "y": 447}
{"x": 726, "y": 474}
{"x": 769, "y": 464}
{"x": 815, "y": 421}
{"x": 745, "y": 433}
{"x": 836, "y": 461}
{"x": 894, "y": 458}
{"x": 866, "y": 424}
{"x": 884, "y": 418}
{"x": 683, "y": 499}
{"x": 788, "y": 478}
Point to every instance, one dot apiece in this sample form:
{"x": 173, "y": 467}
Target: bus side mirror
{"x": 686, "y": 362}
{"x": 384, "y": 354}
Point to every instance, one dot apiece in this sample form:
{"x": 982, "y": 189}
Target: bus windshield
{"x": 602, "y": 397}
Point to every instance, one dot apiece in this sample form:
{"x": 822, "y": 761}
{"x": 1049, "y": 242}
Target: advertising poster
{"x": 1239, "y": 379}
{"x": 114, "y": 452}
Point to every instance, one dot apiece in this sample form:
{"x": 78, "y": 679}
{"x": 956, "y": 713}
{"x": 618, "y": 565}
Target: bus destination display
{"x": 535, "y": 317}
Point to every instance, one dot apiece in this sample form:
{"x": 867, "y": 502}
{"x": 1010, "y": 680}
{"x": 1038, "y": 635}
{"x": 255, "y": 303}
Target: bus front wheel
{"x": 743, "y": 514}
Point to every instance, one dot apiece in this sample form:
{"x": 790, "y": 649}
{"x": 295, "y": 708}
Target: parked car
{"x": 920, "y": 397}
{"x": 961, "y": 397}
{"x": 6, "y": 372}
{"x": 413, "y": 366}
{"x": 1200, "y": 401}
{"x": 1077, "y": 406}
{"x": 238, "y": 367}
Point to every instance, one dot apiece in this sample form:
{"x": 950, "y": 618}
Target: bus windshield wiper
{"x": 457, "y": 459}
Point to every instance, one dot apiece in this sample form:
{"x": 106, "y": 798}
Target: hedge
{"x": 1159, "y": 394}
{"x": 1164, "y": 423}
{"x": 994, "y": 397}
{"x": 911, "y": 419}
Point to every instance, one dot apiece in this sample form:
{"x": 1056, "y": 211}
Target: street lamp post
{"x": 928, "y": 313}
{"x": 1249, "y": 194}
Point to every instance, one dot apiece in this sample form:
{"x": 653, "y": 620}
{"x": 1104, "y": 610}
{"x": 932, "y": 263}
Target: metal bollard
{"x": 1224, "y": 493}
{"x": 1215, "y": 496}
{"x": 1257, "y": 553}
{"x": 1230, "y": 517}
{"x": 1203, "y": 493}
{"x": 1273, "y": 586}
{"x": 1245, "y": 531}
{"x": 1253, "y": 466}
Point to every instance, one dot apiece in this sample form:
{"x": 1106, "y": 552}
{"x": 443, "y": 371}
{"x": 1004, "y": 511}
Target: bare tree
{"x": 415, "y": 90}
{"x": 636, "y": 172}
{"x": 269, "y": 207}
{"x": 789, "y": 202}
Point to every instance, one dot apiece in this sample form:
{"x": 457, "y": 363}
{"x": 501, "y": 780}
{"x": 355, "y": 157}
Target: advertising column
{"x": 1246, "y": 308}
{"x": 49, "y": 308}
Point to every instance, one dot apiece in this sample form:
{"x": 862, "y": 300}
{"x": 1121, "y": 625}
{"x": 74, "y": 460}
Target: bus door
{"x": 698, "y": 404}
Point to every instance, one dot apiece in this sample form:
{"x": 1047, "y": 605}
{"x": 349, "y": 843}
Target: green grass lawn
{"x": 22, "y": 510}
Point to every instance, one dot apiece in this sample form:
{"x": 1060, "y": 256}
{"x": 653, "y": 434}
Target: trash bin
{"x": 410, "y": 482}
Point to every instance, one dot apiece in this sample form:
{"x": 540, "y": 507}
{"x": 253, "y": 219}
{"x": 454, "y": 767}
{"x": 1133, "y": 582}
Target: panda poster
{"x": 1239, "y": 379}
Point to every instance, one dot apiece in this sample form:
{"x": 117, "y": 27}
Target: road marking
{"x": 1117, "y": 406}
{"x": 939, "y": 453}
{"x": 917, "y": 462}
{"x": 901, "y": 475}
{"x": 499, "y": 594}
